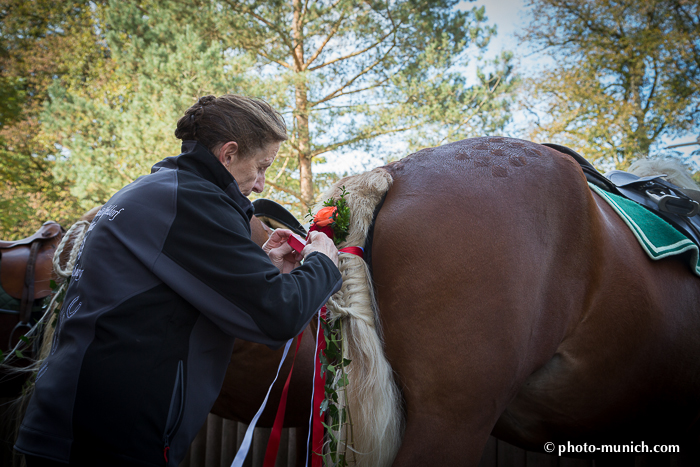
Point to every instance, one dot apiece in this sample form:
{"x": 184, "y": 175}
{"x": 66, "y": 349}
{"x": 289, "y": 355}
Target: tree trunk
{"x": 301, "y": 113}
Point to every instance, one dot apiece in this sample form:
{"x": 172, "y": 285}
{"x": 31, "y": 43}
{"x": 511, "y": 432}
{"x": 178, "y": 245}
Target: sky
{"x": 511, "y": 17}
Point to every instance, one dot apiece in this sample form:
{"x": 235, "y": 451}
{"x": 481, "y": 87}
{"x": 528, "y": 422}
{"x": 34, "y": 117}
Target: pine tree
{"x": 350, "y": 74}
{"x": 344, "y": 75}
{"x": 112, "y": 129}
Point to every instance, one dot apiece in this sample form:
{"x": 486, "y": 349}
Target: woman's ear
{"x": 227, "y": 152}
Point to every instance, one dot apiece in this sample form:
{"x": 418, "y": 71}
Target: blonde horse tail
{"x": 373, "y": 398}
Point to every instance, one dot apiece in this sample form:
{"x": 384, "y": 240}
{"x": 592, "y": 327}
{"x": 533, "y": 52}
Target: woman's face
{"x": 249, "y": 171}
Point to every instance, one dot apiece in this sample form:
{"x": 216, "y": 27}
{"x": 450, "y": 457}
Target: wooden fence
{"x": 219, "y": 439}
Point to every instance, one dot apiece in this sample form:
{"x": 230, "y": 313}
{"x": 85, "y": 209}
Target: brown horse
{"x": 512, "y": 300}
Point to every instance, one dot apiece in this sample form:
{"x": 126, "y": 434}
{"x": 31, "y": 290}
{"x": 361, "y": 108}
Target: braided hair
{"x": 213, "y": 121}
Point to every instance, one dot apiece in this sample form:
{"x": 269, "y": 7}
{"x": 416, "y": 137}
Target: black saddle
{"x": 660, "y": 196}
{"x": 276, "y": 216}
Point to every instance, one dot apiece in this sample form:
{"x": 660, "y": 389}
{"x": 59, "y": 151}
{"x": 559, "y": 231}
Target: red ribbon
{"x": 273, "y": 443}
{"x": 319, "y": 387}
{"x": 355, "y": 250}
{"x": 319, "y": 395}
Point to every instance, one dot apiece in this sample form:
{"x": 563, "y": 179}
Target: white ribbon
{"x": 248, "y": 438}
{"x": 313, "y": 388}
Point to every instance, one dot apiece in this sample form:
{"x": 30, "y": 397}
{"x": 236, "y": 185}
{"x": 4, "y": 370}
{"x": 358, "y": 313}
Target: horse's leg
{"x": 466, "y": 278}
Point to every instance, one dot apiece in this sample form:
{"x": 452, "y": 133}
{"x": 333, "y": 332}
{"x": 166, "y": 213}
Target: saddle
{"x": 276, "y": 216}
{"x": 660, "y": 196}
{"x": 26, "y": 267}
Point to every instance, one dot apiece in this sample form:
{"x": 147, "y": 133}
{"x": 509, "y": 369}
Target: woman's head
{"x": 214, "y": 121}
{"x": 242, "y": 132}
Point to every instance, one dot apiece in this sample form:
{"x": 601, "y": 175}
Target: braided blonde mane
{"x": 373, "y": 399}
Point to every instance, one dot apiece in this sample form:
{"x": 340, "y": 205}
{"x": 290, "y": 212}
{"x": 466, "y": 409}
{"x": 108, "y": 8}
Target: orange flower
{"x": 324, "y": 216}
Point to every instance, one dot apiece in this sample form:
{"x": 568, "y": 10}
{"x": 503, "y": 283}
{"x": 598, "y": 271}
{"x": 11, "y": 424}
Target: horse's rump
{"x": 494, "y": 262}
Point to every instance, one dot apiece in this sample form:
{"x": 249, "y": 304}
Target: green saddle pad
{"x": 657, "y": 237}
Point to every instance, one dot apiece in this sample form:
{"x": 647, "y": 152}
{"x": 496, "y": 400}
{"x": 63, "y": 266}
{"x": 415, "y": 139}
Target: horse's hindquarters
{"x": 473, "y": 268}
{"x": 628, "y": 370}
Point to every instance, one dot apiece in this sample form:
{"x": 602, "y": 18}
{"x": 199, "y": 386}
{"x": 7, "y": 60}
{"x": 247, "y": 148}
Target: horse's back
{"x": 493, "y": 260}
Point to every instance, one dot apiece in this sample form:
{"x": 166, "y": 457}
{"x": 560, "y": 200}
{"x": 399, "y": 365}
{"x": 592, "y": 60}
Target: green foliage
{"x": 39, "y": 41}
{"x": 626, "y": 74}
{"x": 11, "y": 98}
{"x": 118, "y": 74}
{"x": 340, "y": 216}
{"x": 113, "y": 130}
{"x": 334, "y": 404}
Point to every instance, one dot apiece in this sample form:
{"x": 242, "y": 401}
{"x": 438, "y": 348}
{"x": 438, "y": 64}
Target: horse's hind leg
{"x": 455, "y": 386}
{"x": 433, "y": 439}
{"x": 457, "y": 354}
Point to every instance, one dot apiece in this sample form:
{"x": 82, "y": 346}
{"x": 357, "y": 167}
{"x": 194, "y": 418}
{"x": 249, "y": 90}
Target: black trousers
{"x": 34, "y": 461}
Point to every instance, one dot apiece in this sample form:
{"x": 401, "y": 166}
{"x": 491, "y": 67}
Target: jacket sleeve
{"x": 209, "y": 259}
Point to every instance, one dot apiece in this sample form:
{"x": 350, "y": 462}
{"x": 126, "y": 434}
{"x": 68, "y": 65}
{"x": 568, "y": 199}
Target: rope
{"x": 66, "y": 273}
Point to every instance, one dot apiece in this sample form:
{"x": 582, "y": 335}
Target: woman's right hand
{"x": 320, "y": 242}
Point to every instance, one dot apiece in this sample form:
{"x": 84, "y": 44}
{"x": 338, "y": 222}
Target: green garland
{"x": 334, "y": 366}
{"x": 341, "y": 217}
{"x": 340, "y": 224}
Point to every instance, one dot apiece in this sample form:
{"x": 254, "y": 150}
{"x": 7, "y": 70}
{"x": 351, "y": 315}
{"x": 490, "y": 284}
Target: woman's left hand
{"x": 280, "y": 252}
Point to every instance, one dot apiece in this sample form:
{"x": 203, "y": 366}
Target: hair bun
{"x": 204, "y": 100}
{"x": 250, "y": 122}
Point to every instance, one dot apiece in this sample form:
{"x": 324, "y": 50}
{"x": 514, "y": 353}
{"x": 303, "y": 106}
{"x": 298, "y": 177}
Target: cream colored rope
{"x": 70, "y": 264}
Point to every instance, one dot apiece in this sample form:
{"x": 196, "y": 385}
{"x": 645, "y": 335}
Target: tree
{"x": 626, "y": 74}
{"x": 113, "y": 128}
{"x": 352, "y": 72}
{"x": 344, "y": 74}
{"x": 39, "y": 41}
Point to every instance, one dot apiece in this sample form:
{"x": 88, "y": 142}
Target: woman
{"x": 166, "y": 279}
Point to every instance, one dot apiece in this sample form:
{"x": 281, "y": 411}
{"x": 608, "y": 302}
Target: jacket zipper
{"x": 177, "y": 402}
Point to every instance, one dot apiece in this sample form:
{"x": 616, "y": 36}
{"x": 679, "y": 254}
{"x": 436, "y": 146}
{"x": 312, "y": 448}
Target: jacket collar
{"x": 196, "y": 158}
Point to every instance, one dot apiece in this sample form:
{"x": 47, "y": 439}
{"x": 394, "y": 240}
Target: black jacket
{"x": 165, "y": 280}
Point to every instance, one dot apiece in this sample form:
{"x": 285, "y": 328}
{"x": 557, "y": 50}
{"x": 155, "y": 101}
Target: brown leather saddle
{"x": 25, "y": 276}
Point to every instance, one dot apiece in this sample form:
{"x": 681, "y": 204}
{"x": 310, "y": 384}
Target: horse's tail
{"x": 373, "y": 398}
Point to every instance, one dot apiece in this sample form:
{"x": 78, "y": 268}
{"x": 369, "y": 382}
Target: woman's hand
{"x": 280, "y": 252}
{"x": 320, "y": 242}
